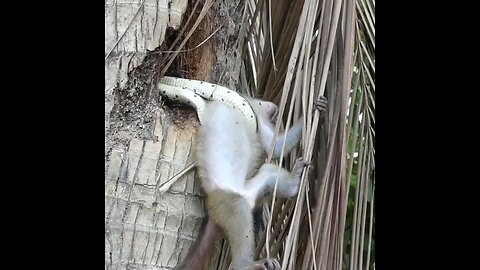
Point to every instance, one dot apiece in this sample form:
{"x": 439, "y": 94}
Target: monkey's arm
{"x": 266, "y": 131}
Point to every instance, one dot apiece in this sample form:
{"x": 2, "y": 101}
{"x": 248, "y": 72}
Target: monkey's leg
{"x": 233, "y": 213}
{"x": 266, "y": 177}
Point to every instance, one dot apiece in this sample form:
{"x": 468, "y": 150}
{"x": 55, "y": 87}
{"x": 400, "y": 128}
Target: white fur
{"x": 228, "y": 148}
{"x": 229, "y": 151}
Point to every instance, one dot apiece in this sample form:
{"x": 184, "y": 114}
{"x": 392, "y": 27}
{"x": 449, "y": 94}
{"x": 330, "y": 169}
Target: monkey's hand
{"x": 321, "y": 106}
{"x": 267, "y": 264}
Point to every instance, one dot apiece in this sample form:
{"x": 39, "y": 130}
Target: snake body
{"x": 198, "y": 93}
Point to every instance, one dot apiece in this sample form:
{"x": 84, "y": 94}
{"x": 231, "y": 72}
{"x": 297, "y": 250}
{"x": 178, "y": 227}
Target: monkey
{"x": 228, "y": 198}
{"x": 228, "y": 155}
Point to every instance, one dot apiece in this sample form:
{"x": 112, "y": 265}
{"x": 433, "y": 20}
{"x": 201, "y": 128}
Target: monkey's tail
{"x": 201, "y": 251}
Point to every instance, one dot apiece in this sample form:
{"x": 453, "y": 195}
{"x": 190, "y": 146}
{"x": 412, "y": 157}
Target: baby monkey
{"x": 228, "y": 155}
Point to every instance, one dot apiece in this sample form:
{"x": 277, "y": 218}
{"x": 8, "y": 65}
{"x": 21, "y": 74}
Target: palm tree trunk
{"x": 147, "y": 142}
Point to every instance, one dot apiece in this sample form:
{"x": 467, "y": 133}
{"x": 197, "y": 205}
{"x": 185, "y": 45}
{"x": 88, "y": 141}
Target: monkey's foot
{"x": 267, "y": 264}
{"x": 321, "y": 105}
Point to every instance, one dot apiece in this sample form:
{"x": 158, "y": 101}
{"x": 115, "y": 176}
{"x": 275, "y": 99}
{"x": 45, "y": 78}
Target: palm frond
{"x": 294, "y": 52}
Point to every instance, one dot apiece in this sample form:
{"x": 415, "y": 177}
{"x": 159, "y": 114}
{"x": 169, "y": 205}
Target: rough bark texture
{"x": 147, "y": 142}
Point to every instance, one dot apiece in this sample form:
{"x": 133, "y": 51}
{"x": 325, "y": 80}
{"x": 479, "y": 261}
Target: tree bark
{"x": 147, "y": 142}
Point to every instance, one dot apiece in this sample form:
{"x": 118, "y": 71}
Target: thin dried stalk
{"x": 299, "y": 50}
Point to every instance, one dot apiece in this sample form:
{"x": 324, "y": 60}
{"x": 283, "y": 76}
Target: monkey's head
{"x": 266, "y": 108}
